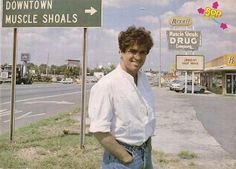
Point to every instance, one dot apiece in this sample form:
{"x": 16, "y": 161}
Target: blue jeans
{"x": 141, "y": 159}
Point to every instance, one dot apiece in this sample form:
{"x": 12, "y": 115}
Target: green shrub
{"x": 187, "y": 155}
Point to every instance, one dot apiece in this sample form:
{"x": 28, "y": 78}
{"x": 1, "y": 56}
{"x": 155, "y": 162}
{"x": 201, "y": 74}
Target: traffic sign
{"x": 52, "y": 13}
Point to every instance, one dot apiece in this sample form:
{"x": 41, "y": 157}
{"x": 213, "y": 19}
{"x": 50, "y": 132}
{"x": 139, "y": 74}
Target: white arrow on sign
{"x": 91, "y": 10}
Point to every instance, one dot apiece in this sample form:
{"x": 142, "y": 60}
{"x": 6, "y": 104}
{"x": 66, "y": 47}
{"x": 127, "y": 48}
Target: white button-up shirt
{"x": 118, "y": 106}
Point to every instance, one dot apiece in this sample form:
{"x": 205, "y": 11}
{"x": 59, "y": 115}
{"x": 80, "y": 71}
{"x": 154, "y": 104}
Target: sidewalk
{"x": 178, "y": 129}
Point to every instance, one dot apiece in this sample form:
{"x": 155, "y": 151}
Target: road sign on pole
{"x": 52, "y": 13}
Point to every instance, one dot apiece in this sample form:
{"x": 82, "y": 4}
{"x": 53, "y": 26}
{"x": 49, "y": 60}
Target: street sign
{"x": 52, "y": 13}
{"x": 190, "y": 62}
{"x": 183, "y": 39}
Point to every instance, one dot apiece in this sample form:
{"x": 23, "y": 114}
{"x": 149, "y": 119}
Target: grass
{"x": 170, "y": 161}
{"x": 45, "y": 144}
{"x": 187, "y": 155}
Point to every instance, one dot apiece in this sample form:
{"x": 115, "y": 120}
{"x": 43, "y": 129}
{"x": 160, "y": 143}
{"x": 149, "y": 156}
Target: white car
{"x": 197, "y": 88}
{"x": 67, "y": 81}
{"x": 172, "y": 84}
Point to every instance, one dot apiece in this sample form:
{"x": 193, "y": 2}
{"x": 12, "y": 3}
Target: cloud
{"x": 156, "y": 20}
{"x": 111, "y": 32}
{"x": 190, "y": 9}
{"x": 168, "y": 14}
{"x": 214, "y": 45}
{"x": 29, "y": 37}
{"x": 231, "y": 29}
{"x": 59, "y": 44}
{"x": 113, "y": 3}
{"x": 149, "y": 19}
{"x": 128, "y": 3}
{"x": 165, "y": 18}
{"x": 227, "y": 6}
{"x": 157, "y": 3}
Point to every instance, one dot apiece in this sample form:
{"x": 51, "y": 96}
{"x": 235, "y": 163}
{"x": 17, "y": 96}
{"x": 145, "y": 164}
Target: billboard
{"x": 25, "y": 57}
{"x": 183, "y": 39}
{"x": 190, "y": 62}
{"x": 73, "y": 63}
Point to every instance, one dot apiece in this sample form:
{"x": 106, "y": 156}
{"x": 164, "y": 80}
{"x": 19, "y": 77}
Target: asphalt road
{"x": 201, "y": 122}
{"x": 37, "y": 101}
{"x": 218, "y": 115}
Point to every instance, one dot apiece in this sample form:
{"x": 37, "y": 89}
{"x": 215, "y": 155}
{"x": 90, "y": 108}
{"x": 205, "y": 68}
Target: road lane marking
{"x": 8, "y": 113}
{"x": 20, "y": 117}
{"x": 45, "y": 97}
{"x": 26, "y": 116}
{"x": 3, "y": 110}
{"x": 33, "y": 115}
{"x": 50, "y": 101}
{"x": 35, "y": 86}
{"x": 4, "y": 114}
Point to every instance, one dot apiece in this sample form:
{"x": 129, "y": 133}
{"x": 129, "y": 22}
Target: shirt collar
{"x": 126, "y": 74}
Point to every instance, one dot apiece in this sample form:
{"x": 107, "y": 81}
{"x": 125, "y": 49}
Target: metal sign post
{"x": 185, "y": 82}
{"x": 83, "y": 95}
{"x": 193, "y": 81}
{"x": 13, "y": 84}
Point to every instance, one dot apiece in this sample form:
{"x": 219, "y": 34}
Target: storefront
{"x": 230, "y": 83}
{"x": 219, "y": 75}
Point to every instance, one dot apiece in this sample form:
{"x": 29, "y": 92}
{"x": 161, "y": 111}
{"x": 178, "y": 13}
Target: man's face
{"x": 133, "y": 59}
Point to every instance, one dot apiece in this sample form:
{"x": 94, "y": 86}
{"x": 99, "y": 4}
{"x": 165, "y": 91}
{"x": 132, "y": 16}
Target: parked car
{"x": 94, "y": 80}
{"x": 197, "y": 88}
{"x": 67, "y": 81}
{"x": 172, "y": 83}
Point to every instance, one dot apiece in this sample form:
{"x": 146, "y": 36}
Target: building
{"x": 72, "y": 63}
{"x": 5, "y": 73}
{"x": 219, "y": 75}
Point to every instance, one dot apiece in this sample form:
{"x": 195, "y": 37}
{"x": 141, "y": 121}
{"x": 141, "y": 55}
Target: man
{"x": 121, "y": 106}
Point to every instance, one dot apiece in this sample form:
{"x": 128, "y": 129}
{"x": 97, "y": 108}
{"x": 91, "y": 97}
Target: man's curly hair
{"x": 132, "y": 36}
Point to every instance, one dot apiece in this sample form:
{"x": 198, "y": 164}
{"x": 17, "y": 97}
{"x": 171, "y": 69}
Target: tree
{"x": 61, "y": 70}
{"x": 34, "y": 67}
{"x": 42, "y": 68}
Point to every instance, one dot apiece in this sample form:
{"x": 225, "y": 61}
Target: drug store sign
{"x": 183, "y": 39}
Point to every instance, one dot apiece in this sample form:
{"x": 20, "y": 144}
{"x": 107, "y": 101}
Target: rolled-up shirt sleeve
{"x": 100, "y": 109}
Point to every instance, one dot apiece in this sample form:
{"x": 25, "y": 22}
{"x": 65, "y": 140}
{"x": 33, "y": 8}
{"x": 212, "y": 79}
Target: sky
{"x": 56, "y": 45}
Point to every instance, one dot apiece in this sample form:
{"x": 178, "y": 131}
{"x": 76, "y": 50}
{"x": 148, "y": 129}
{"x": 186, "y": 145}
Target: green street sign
{"x": 52, "y": 13}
